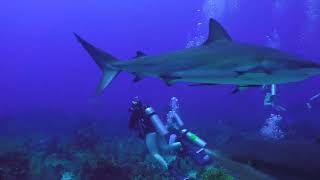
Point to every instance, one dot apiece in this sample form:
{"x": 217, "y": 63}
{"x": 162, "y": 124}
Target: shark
{"x": 218, "y": 61}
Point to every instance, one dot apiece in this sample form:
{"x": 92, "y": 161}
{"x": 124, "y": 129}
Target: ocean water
{"x": 53, "y": 126}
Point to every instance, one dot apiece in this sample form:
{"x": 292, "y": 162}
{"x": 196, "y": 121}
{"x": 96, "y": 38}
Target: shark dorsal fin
{"x": 217, "y": 33}
{"x": 140, "y": 54}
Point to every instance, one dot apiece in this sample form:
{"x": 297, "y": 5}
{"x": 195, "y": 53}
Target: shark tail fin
{"x": 103, "y": 60}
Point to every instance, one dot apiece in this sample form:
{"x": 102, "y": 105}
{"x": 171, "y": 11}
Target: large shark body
{"x": 219, "y": 60}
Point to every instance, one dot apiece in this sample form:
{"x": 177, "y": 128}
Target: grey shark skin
{"x": 219, "y": 60}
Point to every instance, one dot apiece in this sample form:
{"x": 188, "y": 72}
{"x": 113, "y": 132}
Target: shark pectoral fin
{"x": 242, "y": 88}
{"x": 139, "y": 54}
{"x": 238, "y": 89}
{"x": 170, "y": 83}
{"x": 137, "y": 78}
{"x": 169, "y": 79}
{"x": 217, "y": 33}
{"x": 240, "y": 73}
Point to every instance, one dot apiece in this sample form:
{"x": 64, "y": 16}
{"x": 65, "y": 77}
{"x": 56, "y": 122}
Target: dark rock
{"x": 105, "y": 170}
{"x": 86, "y": 138}
{"x": 280, "y": 159}
{"x": 14, "y": 165}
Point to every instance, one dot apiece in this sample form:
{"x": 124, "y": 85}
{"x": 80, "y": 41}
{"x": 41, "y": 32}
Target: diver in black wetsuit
{"x": 151, "y": 129}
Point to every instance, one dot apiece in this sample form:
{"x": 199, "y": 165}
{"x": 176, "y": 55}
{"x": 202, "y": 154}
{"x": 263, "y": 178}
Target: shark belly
{"x": 231, "y": 77}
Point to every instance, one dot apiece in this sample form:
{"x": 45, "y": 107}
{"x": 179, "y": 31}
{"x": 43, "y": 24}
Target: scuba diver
{"x": 271, "y": 129}
{"x": 313, "y": 101}
{"x": 270, "y": 98}
{"x": 192, "y": 145}
{"x": 150, "y": 128}
{"x": 172, "y": 136}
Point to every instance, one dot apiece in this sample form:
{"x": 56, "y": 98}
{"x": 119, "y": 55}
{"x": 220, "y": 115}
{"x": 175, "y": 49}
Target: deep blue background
{"x": 47, "y": 79}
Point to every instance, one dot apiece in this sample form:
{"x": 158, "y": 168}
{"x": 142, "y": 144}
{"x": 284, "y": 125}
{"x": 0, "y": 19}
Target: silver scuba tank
{"x": 156, "y": 121}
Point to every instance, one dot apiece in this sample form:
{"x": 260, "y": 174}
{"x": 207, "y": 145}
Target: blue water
{"x": 48, "y": 81}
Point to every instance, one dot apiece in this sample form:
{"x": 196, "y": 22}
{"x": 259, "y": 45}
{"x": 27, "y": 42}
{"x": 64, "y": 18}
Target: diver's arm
{"x": 174, "y": 145}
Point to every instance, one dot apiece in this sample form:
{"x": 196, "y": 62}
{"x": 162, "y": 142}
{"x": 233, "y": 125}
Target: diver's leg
{"x": 152, "y": 145}
{"x": 164, "y": 145}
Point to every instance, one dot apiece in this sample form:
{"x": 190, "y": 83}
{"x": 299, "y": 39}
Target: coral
{"x": 86, "y": 138}
{"x": 192, "y": 174}
{"x": 54, "y": 161}
{"x": 86, "y": 156}
{"x": 186, "y": 164}
{"x": 36, "y": 164}
{"x": 148, "y": 170}
{"x": 68, "y": 176}
{"x": 105, "y": 170}
{"x": 14, "y": 165}
{"x": 54, "y": 146}
{"x": 215, "y": 174}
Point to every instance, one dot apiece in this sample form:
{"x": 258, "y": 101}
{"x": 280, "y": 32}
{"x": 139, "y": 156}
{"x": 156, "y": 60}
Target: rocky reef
{"x": 215, "y": 173}
{"x": 86, "y": 155}
{"x": 14, "y": 165}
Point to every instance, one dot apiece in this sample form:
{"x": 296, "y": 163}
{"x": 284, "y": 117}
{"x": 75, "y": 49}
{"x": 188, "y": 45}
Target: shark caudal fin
{"x": 103, "y": 60}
